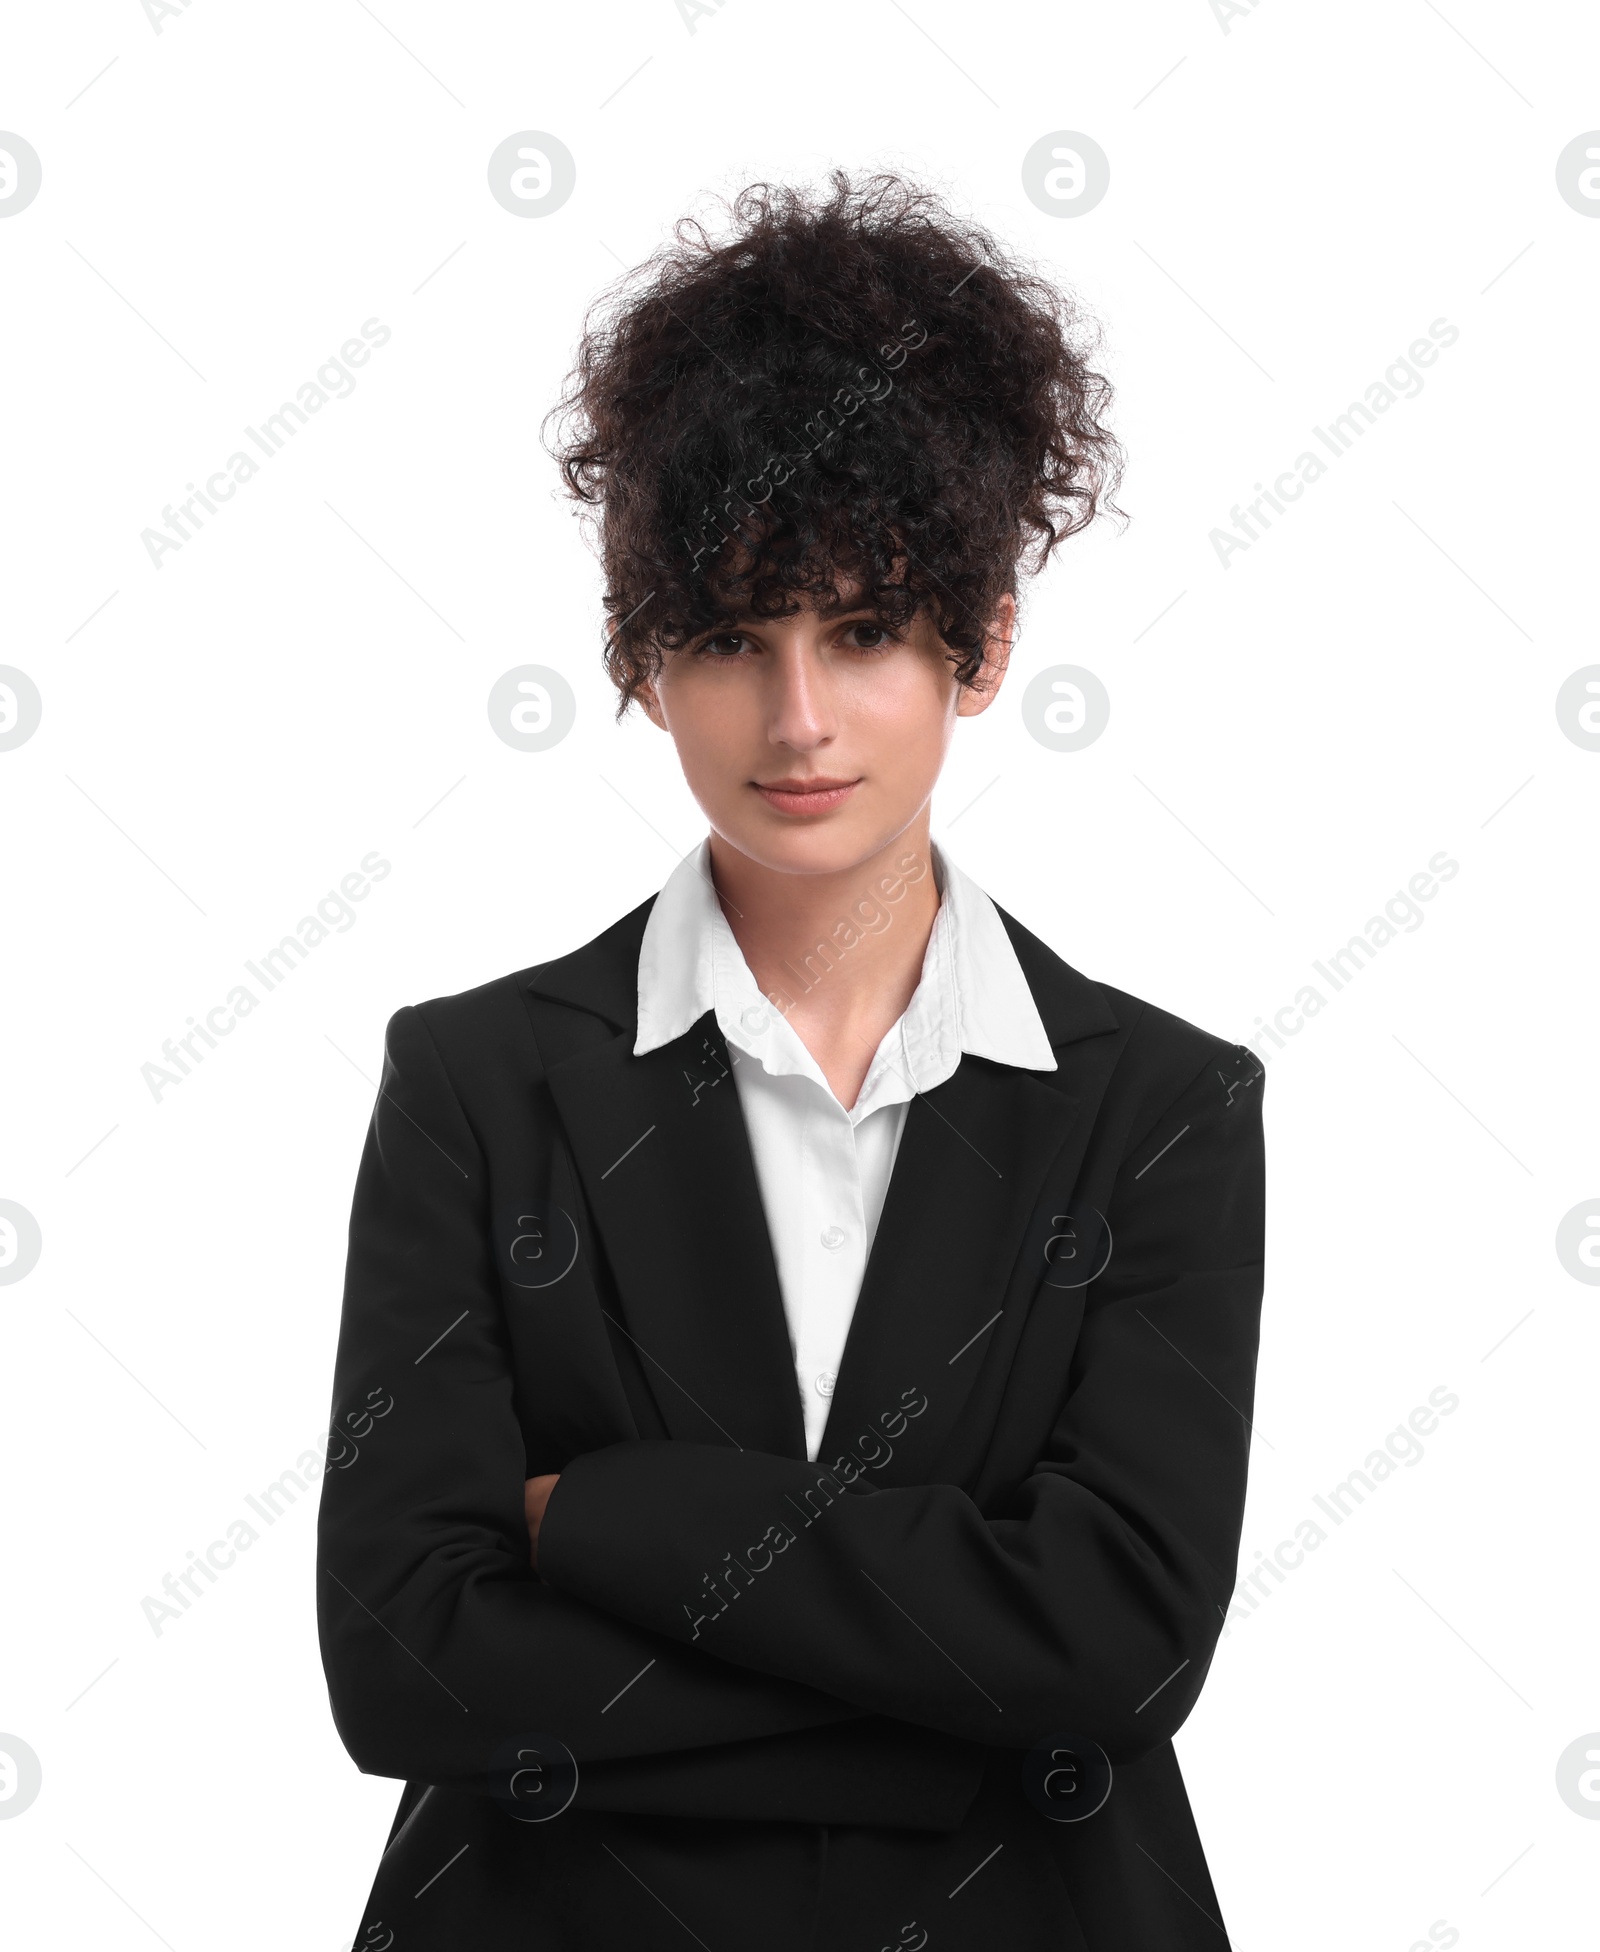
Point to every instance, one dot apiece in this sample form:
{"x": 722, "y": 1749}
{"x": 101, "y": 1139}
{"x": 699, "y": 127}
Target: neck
{"x": 839, "y": 954}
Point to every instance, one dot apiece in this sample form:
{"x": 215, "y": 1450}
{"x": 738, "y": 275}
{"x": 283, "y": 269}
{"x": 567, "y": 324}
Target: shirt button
{"x": 832, "y": 1237}
{"x": 825, "y": 1382}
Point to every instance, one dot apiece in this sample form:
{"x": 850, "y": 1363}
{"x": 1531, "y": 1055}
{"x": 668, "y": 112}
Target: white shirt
{"x": 824, "y": 1171}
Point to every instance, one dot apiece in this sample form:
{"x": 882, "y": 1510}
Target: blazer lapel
{"x": 983, "y": 1161}
{"x": 661, "y": 1148}
{"x": 972, "y": 1165}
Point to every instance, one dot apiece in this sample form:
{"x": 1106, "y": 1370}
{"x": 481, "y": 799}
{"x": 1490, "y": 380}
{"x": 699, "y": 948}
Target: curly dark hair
{"x": 855, "y": 395}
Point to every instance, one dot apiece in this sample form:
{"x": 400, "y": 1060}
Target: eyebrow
{"x": 747, "y": 620}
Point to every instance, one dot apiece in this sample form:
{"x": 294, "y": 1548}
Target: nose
{"x": 801, "y": 712}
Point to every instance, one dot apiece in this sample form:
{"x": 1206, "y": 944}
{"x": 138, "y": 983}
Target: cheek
{"x": 711, "y": 723}
{"x": 910, "y": 713}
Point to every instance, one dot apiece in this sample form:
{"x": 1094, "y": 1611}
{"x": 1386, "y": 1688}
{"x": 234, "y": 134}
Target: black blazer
{"x": 810, "y": 1706}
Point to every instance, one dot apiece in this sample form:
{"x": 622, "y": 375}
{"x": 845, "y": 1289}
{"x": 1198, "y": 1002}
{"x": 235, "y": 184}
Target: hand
{"x": 535, "y": 1496}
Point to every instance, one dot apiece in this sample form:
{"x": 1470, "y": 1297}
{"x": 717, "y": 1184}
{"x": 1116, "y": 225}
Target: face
{"x": 813, "y": 742}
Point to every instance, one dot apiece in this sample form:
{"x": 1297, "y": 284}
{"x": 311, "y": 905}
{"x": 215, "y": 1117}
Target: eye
{"x": 725, "y": 646}
{"x": 869, "y": 636}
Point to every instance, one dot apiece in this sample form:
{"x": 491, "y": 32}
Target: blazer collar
{"x": 972, "y": 996}
{"x": 602, "y": 977}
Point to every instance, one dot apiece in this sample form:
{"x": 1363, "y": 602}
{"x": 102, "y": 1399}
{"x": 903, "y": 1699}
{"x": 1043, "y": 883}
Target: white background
{"x": 1292, "y": 202}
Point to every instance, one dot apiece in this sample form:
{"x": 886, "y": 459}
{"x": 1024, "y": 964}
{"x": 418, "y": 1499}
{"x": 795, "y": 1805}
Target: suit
{"x": 751, "y": 1699}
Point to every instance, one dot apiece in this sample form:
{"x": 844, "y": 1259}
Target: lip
{"x": 794, "y": 796}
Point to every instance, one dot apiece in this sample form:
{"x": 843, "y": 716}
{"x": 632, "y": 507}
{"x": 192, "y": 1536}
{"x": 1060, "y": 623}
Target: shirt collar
{"x": 972, "y": 995}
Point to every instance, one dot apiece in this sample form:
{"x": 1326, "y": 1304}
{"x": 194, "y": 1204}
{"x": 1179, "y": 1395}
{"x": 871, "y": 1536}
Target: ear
{"x": 650, "y": 699}
{"x": 998, "y": 641}
{"x": 646, "y": 695}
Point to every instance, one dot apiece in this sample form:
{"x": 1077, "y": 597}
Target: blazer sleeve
{"x": 438, "y": 1642}
{"x": 1093, "y": 1604}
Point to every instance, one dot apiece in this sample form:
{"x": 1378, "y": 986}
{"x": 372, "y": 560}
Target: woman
{"x": 798, "y": 1348}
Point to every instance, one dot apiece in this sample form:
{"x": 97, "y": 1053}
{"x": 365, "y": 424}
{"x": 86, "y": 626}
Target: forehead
{"x": 823, "y": 610}
{"x": 848, "y": 596}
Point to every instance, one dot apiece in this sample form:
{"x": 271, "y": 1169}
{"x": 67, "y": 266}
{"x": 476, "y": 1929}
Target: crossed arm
{"x": 902, "y": 1621}
{"x": 535, "y": 1496}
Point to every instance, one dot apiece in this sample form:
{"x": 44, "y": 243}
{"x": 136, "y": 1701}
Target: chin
{"x": 821, "y": 846}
